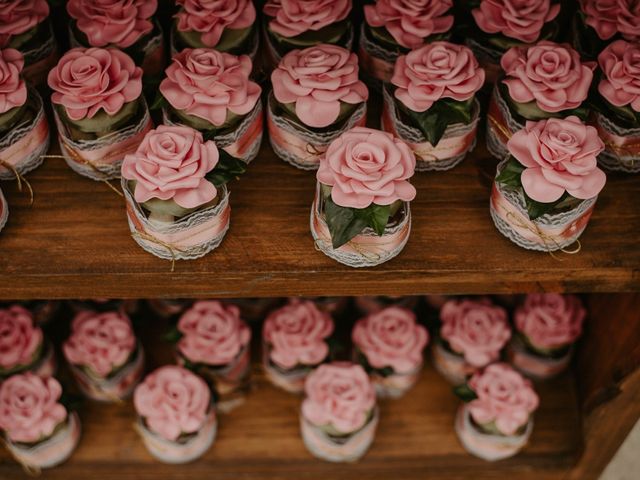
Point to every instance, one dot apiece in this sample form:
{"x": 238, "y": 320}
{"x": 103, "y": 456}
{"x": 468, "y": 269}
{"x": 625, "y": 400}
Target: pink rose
{"x": 629, "y": 19}
{"x": 549, "y": 73}
{"x": 410, "y": 22}
{"x": 519, "y": 19}
{"x": 476, "y": 329}
{"x": 207, "y": 83}
{"x": 102, "y": 342}
{"x": 504, "y": 398}
{"x": 13, "y": 89}
{"x": 338, "y": 394}
{"x": 550, "y": 320}
{"x": 171, "y": 163}
{"x": 113, "y": 22}
{"x": 559, "y": 155}
{"x": 297, "y": 333}
{"x": 20, "y": 339}
{"x": 391, "y": 338}
{"x": 213, "y": 333}
{"x": 29, "y": 407}
{"x": 620, "y": 85}
{"x": 20, "y": 16}
{"x": 87, "y": 80}
{"x": 317, "y": 80}
{"x": 172, "y": 401}
{"x": 602, "y": 16}
{"x": 293, "y": 17}
{"x": 366, "y": 166}
{"x": 211, "y": 17}
{"x": 434, "y": 71}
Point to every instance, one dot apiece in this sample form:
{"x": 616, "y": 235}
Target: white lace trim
{"x": 610, "y": 158}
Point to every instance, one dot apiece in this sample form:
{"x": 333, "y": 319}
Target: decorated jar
{"x": 182, "y": 211}
{"x": 99, "y": 109}
{"x": 389, "y": 345}
{"x": 544, "y": 201}
{"x": 4, "y": 211}
{"x": 23, "y": 346}
{"x": 546, "y": 80}
{"x": 126, "y": 306}
{"x": 38, "y": 430}
{"x": 213, "y": 341}
{"x": 128, "y": 25}
{"x": 395, "y": 27}
{"x": 167, "y": 308}
{"x": 254, "y": 310}
{"x": 334, "y": 306}
{"x": 546, "y": 327}
{"x": 294, "y": 342}
{"x": 211, "y": 92}
{"x": 339, "y": 414}
{"x": 496, "y": 420}
{"x": 360, "y": 216}
{"x": 105, "y": 358}
{"x": 24, "y": 130}
{"x": 43, "y": 311}
{"x": 316, "y": 97}
{"x": 472, "y": 335}
{"x": 368, "y": 304}
{"x": 176, "y": 415}
{"x": 431, "y": 104}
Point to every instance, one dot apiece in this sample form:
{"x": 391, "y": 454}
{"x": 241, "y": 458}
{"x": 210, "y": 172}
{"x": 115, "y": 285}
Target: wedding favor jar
{"x": 368, "y": 304}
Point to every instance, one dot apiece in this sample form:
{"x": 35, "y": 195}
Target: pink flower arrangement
{"x": 609, "y": 17}
{"x": 86, "y": 81}
{"x": 434, "y": 71}
{"x": 212, "y": 17}
{"x": 560, "y": 155}
{"x": 171, "y": 163}
{"x": 366, "y": 166}
{"x": 297, "y": 334}
{"x": 318, "y": 80}
{"x": 172, "y": 401}
{"x": 620, "y": 64}
{"x": 13, "y": 89}
{"x": 293, "y": 17}
{"x": 20, "y": 16}
{"x": 209, "y": 84}
{"x": 519, "y": 19}
{"x": 20, "y": 339}
{"x": 550, "y": 320}
{"x": 391, "y": 338}
{"x": 213, "y": 333}
{"x": 548, "y": 73}
{"x": 30, "y": 409}
{"x": 113, "y": 22}
{"x": 505, "y": 398}
{"x": 477, "y": 330}
{"x": 410, "y": 22}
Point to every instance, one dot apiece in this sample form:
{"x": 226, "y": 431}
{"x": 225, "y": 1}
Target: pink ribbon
{"x": 533, "y": 365}
{"x": 25, "y": 146}
{"x": 377, "y": 68}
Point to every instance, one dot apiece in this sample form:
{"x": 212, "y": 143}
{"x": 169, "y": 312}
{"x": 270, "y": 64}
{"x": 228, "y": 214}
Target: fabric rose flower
{"x": 550, "y": 320}
{"x": 13, "y": 89}
{"x": 207, "y": 84}
{"x": 113, "y": 22}
{"x": 504, "y": 398}
{"x": 213, "y": 333}
{"x": 477, "y": 330}
{"x": 293, "y": 17}
{"x": 620, "y": 63}
{"x": 171, "y": 163}
{"x": 340, "y": 395}
{"x": 609, "y": 17}
{"x": 519, "y": 19}
{"x": 297, "y": 334}
{"x": 29, "y": 407}
{"x": 172, "y": 401}
{"x": 211, "y": 17}
{"x": 560, "y": 155}
{"x": 102, "y": 342}
{"x": 437, "y": 70}
{"x": 366, "y": 166}
{"x": 88, "y": 80}
{"x": 391, "y": 338}
{"x": 629, "y": 19}
{"x": 549, "y": 73}
{"x": 317, "y": 80}
{"x": 20, "y": 16}
{"x": 20, "y": 339}
{"x": 410, "y": 21}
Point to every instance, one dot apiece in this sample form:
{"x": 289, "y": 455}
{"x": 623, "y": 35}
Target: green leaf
{"x": 344, "y": 223}
{"x": 510, "y": 173}
{"x": 465, "y": 393}
{"x": 376, "y": 216}
{"x": 538, "y": 209}
{"x": 173, "y": 335}
{"x": 228, "y": 168}
{"x": 159, "y": 102}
